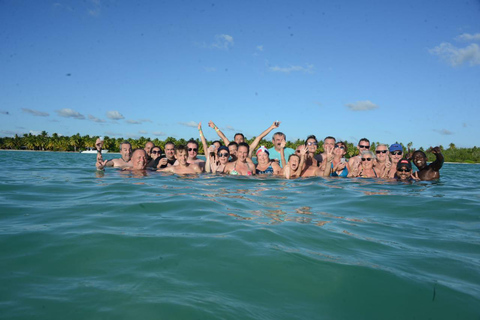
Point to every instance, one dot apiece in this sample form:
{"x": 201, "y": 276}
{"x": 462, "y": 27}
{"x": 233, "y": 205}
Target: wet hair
{"x": 330, "y": 137}
{"x": 233, "y": 143}
{"x": 139, "y": 149}
{"x": 280, "y": 134}
{"x": 364, "y": 139}
{"x": 243, "y": 144}
{"x": 220, "y": 142}
{"x": 238, "y": 134}
{"x": 192, "y": 141}
{"x": 181, "y": 147}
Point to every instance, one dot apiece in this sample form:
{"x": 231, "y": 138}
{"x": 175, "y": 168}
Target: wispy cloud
{"x": 133, "y": 122}
{"x": 145, "y": 120}
{"x": 223, "y": 41}
{"x": 143, "y": 132}
{"x": 192, "y": 124}
{"x": 159, "y": 133}
{"x": 35, "y": 112}
{"x": 209, "y": 69}
{"x": 458, "y": 56}
{"x": 468, "y": 37}
{"x": 444, "y": 132}
{"x": 4, "y": 112}
{"x": 8, "y": 132}
{"x": 70, "y": 113}
{"x": 361, "y": 106}
{"x": 230, "y": 128}
{"x": 95, "y": 119}
{"x": 35, "y": 132}
{"x": 95, "y": 9}
{"x": 289, "y": 69}
{"x": 112, "y": 134}
{"x": 260, "y": 48}
{"x": 115, "y": 115}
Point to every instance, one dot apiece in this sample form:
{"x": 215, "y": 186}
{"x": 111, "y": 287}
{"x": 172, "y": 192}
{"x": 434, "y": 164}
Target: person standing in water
{"x": 427, "y": 172}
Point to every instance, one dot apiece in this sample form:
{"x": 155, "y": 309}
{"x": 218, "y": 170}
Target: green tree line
{"x": 76, "y": 143}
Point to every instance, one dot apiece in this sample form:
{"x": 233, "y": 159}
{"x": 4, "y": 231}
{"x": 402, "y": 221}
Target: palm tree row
{"x": 76, "y": 143}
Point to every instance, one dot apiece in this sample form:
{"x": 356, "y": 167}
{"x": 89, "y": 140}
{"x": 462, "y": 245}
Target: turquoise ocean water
{"x": 80, "y": 244}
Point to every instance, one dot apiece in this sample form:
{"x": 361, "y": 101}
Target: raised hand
{"x": 276, "y": 124}
{"x": 211, "y": 124}
{"x": 199, "y": 126}
{"x": 329, "y": 153}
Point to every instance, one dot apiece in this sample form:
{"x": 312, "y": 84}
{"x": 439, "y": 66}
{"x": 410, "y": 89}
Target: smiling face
{"x": 242, "y": 153}
{"x": 403, "y": 173}
{"x": 126, "y": 151}
{"x": 263, "y": 158}
{"x": 192, "y": 149}
{"x": 363, "y": 145}
{"x": 339, "y": 150}
{"x": 367, "y": 160}
{"x": 395, "y": 156}
{"x": 148, "y": 148}
{"x": 328, "y": 143}
{"x": 170, "y": 150}
{"x": 156, "y": 152}
{"x": 382, "y": 153}
{"x": 311, "y": 145}
{"x": 181, "y": 156}
{"x": 233, "y": 150}
{"x": 419, "y": 159}
{"x": 223, "y": 156}
{"x": 239, "y": 138}
{"x": 139, "y": 159}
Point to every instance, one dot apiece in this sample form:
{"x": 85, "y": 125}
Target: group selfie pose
{"x": 235, "y": 158}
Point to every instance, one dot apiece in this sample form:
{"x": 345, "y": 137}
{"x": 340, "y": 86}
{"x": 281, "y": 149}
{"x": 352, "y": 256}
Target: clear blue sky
{"x": 386, "y": 70}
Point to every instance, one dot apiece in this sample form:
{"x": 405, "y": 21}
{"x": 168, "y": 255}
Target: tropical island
{"x": 78, "y": 143}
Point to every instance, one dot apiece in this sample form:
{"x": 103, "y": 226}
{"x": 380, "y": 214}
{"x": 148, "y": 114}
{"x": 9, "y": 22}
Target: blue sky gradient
{"x": 386, "y": 70}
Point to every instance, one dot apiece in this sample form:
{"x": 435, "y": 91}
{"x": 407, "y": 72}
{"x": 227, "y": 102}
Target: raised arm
{"x": 220, "y": 133}
{"x": 202, "y": 137}
{"x": 210, "y": 164}
{"x": 328, "y": 162}
{"x": 257, "y": 140}
{"x": 438, "y": 163}
{"x": 282, "y": 153}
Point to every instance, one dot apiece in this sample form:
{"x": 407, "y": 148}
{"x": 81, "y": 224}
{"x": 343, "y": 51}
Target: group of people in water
{"x": 235, "y": 158}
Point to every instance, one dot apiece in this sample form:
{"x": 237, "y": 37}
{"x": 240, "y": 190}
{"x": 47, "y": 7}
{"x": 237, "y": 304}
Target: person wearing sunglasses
{"x": 155, "y": 154}
{"x": 311, "y": 164}
{"x": 217, "y": 164}
{"x": 382, "y": 162}
{"x": 266, "y": 166}
{"x": 403, "y": 171}
{"x": 365, "y": 169}
{"x": 339, "y": 163}
{"x": 396, "y": 154}
{"x": 363, "y": 145}
{"x": 192, "y": 149}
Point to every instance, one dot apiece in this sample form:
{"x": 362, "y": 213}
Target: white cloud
{"x": 35, "y": 112}
{"x": 69, "y": 113}
{"x": 223, "y": 41}
{"x": 444, "y": 132}
{"x": 307, "y": 69}
{"x": 361, "y": 106}
{"x": 159, "y": 133}
{"x": 95, "y": 119}
{"x": 35, "y": 132}
{"x": 115, "y": 115}
{"x": 192, "y": 124}
{"x": 112, "y": 134}
{"x": 133, "y": 122}
{"x": 458, "y": 56}
{"x": 469, "y": 37}
{"x": 143, "y": 132}
{"x": 145, "y": 120}
{"x": 230, "y": 128}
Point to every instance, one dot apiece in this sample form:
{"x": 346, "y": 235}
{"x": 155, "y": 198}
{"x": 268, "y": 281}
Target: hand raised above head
{"x": 211, "y": 124}
{"x": 283, "y": 143}
{"x": 199, "y": 126}
{"x": 276, "y": 124}
{"x": 435, "y": 150}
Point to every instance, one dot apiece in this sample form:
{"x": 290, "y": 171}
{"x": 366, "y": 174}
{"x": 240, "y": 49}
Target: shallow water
{"x": 81, "y": 244}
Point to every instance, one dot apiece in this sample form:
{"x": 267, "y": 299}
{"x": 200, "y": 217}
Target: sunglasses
{"x": 193, "y": 149}
{"x": 312, "y": 143}
{"x": 397, "y": 153}
{"x": 381, "y": 151}
{"x": 223, "y": 154}
{"x": 156, "y": 152}
{"x": 366, "y": 159}
{"x": 403, "y": 170}
{"x": 361, "y": 146}
{"x": 341, "y": 147}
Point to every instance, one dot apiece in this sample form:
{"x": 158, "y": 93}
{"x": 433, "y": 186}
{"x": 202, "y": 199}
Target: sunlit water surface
{"x": 81, "y": 244}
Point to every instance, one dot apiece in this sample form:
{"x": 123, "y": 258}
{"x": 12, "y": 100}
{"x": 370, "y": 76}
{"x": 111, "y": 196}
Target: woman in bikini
{"x": 365, "y": 168}
{"x": 241, "y": 166}
{"x": 339, "y": 164}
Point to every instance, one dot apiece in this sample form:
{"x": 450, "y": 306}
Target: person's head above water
{"x": 148, "y": 148}
{"x": 192, "y": 148}
{"x": 170, "y": 150}
{"x": 239, "y": 138}
{"x": 232, "y": 148}
{"x": 404, "y": 169}
{"x": 242, "y": 152}
{"x": 420, "y": 159}
{"x": 277, "y": 140}
{"x": 329, "y": 142}
{"x": 126, "y": 151}
{"x": 223, "y": 154}
{"x": 139, "y": 159}
{"x": 181, "y": 154}
{"x": 263, "y": 156}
